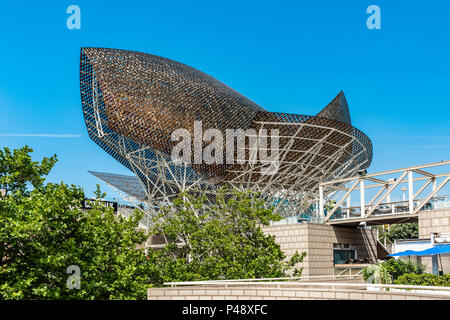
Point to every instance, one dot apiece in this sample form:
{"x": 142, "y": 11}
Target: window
{"x": 342, "y": 252}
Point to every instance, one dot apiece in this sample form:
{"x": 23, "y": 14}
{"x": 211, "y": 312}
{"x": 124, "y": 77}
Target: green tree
{"x": 43, "y": 232}
{"x": 46, "y": 237}
{"x": 403, "y": 231}
{"x": 220, "y": 241}
{"x": 17, "y": 170}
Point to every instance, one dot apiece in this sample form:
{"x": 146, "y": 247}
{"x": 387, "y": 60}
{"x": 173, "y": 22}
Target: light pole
{"x": 404, "y": 193}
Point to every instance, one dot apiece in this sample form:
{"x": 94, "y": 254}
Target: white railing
{"x": 333, "y": 285}
{"x": 392, "y": 208}
{"x": 302, "y": 278}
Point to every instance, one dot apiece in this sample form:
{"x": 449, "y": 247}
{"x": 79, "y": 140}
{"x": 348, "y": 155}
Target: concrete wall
{"x": 258, "y": 292}
{"x": 435, "y": 221}
{"x": 318, "y": 239}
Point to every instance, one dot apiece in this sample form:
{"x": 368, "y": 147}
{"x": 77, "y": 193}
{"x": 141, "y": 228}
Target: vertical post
{"x": 363, "y": 201}
{"x": 435, "y": 264}
{"x": 388, "y": 199}
{"x": 321, "y": 213}
{"x": 410, "y": 192}
{"x": 348, "y": 206}
{"x": 434, "y": 186}
{"x": 146, "y": 242}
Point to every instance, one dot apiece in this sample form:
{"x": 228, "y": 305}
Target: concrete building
{"x": 328, "y": 248}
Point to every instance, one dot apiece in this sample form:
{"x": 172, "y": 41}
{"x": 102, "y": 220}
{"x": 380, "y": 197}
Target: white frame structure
{"x": 425, "y": 184}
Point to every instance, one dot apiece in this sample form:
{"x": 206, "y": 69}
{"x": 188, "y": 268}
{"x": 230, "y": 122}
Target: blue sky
{"x": 286, "y": 56}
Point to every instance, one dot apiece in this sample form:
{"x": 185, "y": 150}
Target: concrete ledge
{"x": 261, "y": 293}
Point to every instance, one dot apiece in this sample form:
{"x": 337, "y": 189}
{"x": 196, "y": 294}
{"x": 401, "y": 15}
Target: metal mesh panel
{"x": 131, "y": 185}
{"x": 337, "y": 109}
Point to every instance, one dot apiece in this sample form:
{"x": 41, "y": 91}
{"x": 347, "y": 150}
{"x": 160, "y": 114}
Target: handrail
{"x": 341, "y": 213}
{"x": 284, "y": 278}
{"x": 304, "y": 284}
{"x": 382, "y": 173}
{"x": 395, "y": 202}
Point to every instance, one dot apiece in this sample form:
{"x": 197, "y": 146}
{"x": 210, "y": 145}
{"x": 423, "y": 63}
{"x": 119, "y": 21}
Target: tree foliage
{"x": 403, "y": 231}
{"x": 45, "y": 237}
{"x": 17, "y": 170}
{"x": 43, "y": 232}
{"x": 222, "y": 241}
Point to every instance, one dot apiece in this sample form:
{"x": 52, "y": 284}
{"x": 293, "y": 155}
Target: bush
{"x": 397, "y": 267}
{"x": 417, "y": 268}
{"x": 425, "y": 279}
{"x": 389, "y": 270}
{"x": 376, "y": 273}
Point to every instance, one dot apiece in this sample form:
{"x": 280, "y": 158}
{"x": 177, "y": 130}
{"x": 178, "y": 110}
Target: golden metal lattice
{"x": 133, "y": 102}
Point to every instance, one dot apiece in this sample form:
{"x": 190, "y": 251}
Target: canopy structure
{"x": 438, "y": 249}
{"x": 403, "y": 253}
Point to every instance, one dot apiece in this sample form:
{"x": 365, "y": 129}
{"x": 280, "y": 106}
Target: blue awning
{"x": 403, "y": 253}
{"x": 437, "y": 249}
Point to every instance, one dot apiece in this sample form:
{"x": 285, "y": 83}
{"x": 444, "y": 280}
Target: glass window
{"x": 342, "y": 253}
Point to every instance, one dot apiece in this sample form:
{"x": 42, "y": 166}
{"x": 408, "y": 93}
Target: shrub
{"x": 425, "y": 279}
{"x": 417, "y": 268}
{"x": 376, "y": 273}
{"x": 397, "y": 267}
{"x": 388, "y": 271}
